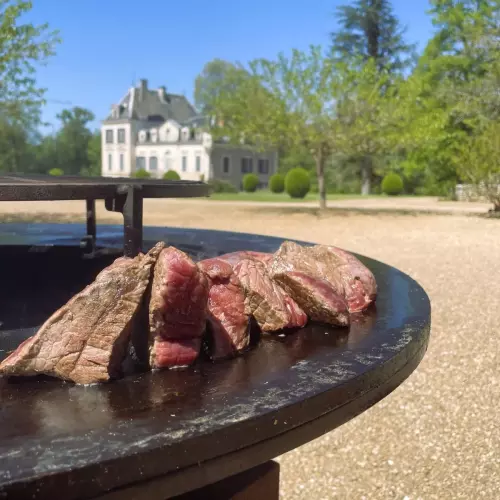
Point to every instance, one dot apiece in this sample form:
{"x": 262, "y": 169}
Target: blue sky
{"x": 108, "y": 44}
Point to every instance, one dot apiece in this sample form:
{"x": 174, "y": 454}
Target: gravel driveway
{"x": 438, "y": 435}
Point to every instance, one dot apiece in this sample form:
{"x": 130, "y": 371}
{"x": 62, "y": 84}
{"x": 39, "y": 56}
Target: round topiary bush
{"x": 171, "y": 175}
{"x": 392, "y": 184}
{"x": 277, "y": 183}
{"x": 250, "y": 183}
{"x": 56, "y": 171}
{"x": 297, "y": 182}
{"x": 142, "y": 174}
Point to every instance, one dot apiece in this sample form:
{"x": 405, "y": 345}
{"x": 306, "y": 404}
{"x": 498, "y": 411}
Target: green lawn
{"x": 283, "y": 197}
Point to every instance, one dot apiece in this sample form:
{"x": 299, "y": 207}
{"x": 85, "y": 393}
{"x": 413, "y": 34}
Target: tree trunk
{"x": 366, "y": 176}
{"x": 320, "y": 173}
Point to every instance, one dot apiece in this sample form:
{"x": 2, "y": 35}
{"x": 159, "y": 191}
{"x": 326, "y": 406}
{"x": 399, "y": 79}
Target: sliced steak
{"x": 234, "y": 258}
{"x": 270, "y": 306}
{"x": 311, "y": 276}
{"x": 317, "y": 297}
{"x": 228, "y": 316}
{"x": 85, "y": 341}
{"x": 360, "y": 287}
{"x": 177, "y": 310}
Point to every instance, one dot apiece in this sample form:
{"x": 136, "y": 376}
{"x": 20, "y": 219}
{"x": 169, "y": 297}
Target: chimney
{"x": 162, "y": 93}
{"x": 143, "y": 88}
{"x": 115, "y": 111}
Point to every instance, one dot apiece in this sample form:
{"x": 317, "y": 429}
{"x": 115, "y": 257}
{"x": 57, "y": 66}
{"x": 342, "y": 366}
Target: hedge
{"x": 297, "y": 182}
{"x": 277, "y": 183}
{"x": 250, "y": 183}
{"x": 392, "y": 184}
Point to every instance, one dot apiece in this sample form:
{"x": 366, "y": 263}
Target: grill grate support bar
{"x": 130, "y": 205}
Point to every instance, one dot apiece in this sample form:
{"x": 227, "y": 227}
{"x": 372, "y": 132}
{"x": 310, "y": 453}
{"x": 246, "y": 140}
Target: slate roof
{"x": 154, "y": 109}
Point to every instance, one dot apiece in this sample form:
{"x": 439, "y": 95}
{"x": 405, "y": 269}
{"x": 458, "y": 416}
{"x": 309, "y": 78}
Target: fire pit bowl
{"x": 162, "y": 434}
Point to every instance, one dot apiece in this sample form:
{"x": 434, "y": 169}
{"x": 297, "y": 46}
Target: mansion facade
{"x": 157, "y": 131}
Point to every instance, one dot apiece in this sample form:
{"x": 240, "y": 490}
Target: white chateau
{"x": 158, "y": 131}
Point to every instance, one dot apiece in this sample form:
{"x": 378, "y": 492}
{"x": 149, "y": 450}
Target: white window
{"x": 110, "y": 162}
{"x": 246, "y": 165}
{"x": 263, "y": 166}
{"x": 140, "y": 163}
{"x": 184, "y": 163}
{"x": 226, "y": 164}
{"x": 198, "y": 163}
{"x": 142, "y": 136}
{"x": 154, "y": 135}
{"x": 121, "y": 136}
{"x": 109, "y": 136}
{"x": 121, "y": 163}
{"x": 153, "y": 163}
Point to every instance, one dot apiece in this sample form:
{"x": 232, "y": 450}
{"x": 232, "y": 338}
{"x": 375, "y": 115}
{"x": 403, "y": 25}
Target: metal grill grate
{"x": 122, "y": 195}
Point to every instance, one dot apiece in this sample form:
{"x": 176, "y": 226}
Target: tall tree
{"x": 16, "y": 149}
{"x": 46, "y": 154}
{"x": 369, "y": 29}
{"x": 94, "y": 155}
{"x": 23, "y": 46}
{"x": 73, "y": 140}
{"x": 216, "y": 77}
{"x": 288, "y": 104}
{"x": 459, "y": 81}
{"x": 366, "y": 112}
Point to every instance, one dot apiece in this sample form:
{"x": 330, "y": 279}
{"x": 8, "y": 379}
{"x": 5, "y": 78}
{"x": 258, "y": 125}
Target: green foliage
{"x": 297, "y": 182}
{"x": 369, "y": 30}
{"x": 277, "y": 183}
{"x": 479, "y": 162}
{"x": 219, "y": 186}
{"x": 73, "y": 139}
{"x": 250, "y": 183}
{"x": 93, "y": 156}
{"x": 23, "y": 47}
{"x": 16, "y": 149}
{"x": 142, "y": 174}
{"x": 218, "y": 76}
{"x": 171, "y": 175}
{"x": 56, "y": 171}
{"x": 392, "y": 184}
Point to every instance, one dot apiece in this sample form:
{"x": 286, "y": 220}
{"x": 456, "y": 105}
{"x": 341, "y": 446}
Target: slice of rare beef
{"x": 228, "y": 315}
{"x": 269, "y": 304}
{"x": 311, "y": 276}
{"x": 177, "y": 310}
{"x": 360, "y": 287}
{"x": 86, "y": 340}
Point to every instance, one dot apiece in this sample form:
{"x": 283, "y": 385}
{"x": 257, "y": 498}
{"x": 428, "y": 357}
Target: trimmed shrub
{"x": 297, "y": 182}
{"x": 56, "y": 171}
{"x": 392, "y": 184}
{"x": 142, "y": 174}
{"x": 171, "y": 175}
{"x": 277, "y": 183}
{"x": 221, "y": 186}
{"x": 250, "y": 183}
